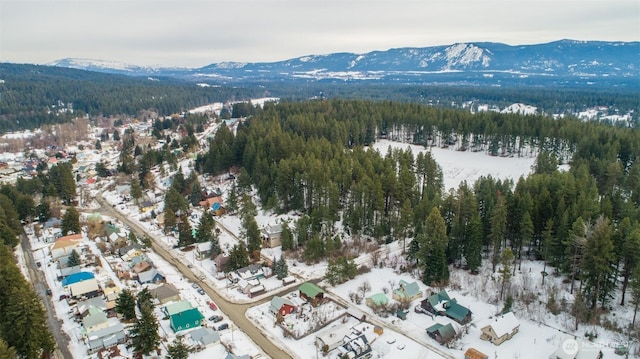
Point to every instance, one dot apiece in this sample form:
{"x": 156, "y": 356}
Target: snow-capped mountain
{"x": 565, "y": 61}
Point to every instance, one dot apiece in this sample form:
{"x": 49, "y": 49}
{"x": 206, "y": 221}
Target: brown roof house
{"x": 502, "y": 329}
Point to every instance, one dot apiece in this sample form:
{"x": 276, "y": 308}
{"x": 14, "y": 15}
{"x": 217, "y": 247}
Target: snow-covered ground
{"x": 540, "y": 332}
{"x": 467, "y": 166}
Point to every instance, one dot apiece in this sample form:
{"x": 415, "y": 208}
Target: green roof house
{"x": 441, "y": 304}
{"x": 311, "y": 292}
{"x": 377, "y": 300}
{"x": 190, "y": 318}
{"x": 407, "y": 292}
{"x": 441, "y": 333}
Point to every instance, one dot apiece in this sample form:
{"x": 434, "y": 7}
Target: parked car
{"x": 49, "y": 291}
{"x": 195, "y": 286}
{"x": 223, "y": 326}
{"x": 62, "y": 297}
{"x": 213, "y": 306}
{"x": 215, "y": 318}
{"x": 201, "y": 291}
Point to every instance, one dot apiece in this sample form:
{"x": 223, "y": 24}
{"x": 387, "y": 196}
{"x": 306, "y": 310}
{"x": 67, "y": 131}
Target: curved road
{"x": 235, "y": 312}
{"x": 40, "y": 286}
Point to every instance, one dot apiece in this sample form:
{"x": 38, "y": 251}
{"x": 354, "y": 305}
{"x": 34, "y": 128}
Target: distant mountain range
{"x": 564, "y": 63}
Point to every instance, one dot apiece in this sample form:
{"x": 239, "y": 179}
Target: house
{"x": 87, "y": 288}
{"x": 281, "y": 306}
{"x": 95, "y": 320}
{"x": 252, "y": 271}
{"x": 146, "y": 206}
{"x": 63, "y": 246}
{"x": 138, "y": 259}
{"x": 209, "y": 202}
{"x": 217, "y": 209}
{"x": 245, "y": 286}
{"x": 130, "y": 251}
{"x": 166, "y": 293}
{"x": 177, "y": 307}
{"x": 190, "y": 318}
{"x": 443, "y": 334}
{"x": 571, "y": 348}
{"x": 377, "y": 300}
{"x": 205, "y": 337}
{"x": 141, "y": 267}
{"x": 150, "y": 276}
{"x": 288, "y": 280}
{"x": 473, "y": 353}
{"x": 311, "y": 293}
{"x": 203, "y": 250}
{"x": 111, "y": 294}
{"x": 270, "y": 235}
{"x": 107, "y": 337}
{"x": 502, "y": 329}
{"x": 355, "y": 348}
{"x": 441, "y": 304}
{"x": 334, "y": 338}
{"x": 407, "y": 292}
{"x": 86, "y": 306}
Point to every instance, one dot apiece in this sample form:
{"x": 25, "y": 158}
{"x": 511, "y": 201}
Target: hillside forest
{"x": 312, "y": 158}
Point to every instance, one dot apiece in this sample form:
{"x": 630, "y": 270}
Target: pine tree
{"x": 196, "y": 193}
{"x": 71, "y": 221}
{"x": 252, "y": 234}
{"x": 286, "y": 238}
{"x": 434, "y": 256}
{"x": 473, "y": 249}
{"x": 238, "y": 257}
{"x": 281, "y": 268}
{"x": 136, "y": 189}
{"x": 74, "y": 259}
{"x": 498, "y": 229}
{"x": 634, "y": 284}
{"x": 185, "y": 232}
{"x": 126, "y": 305}
{"x": 506, "y": 259}
{"x": 177, "y": 350}
{"x": 144, "y": 299}
{"x": 144, "y": 333}
{"x": 206, "y": 228}
{"x": 630, "y": 259}
{"x": 7, "y": 352}
{"x": 597, "y": 266}
{"x": 169, "y": 220}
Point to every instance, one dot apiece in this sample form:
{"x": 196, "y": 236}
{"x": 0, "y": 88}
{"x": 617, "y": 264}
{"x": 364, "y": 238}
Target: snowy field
{"x": 467, "y": 166}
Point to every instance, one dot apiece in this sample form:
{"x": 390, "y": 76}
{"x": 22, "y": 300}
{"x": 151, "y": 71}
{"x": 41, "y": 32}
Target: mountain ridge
{"x": 482, "y": 62}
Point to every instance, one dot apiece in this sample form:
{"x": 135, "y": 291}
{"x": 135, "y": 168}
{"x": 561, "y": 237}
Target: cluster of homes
{"x": 134, "y": 264}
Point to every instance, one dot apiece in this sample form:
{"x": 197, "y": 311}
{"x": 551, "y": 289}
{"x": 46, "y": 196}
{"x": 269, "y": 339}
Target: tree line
{"x": 311, "y": 157}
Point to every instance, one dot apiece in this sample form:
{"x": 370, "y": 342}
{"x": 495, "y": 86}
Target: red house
{"x": 281, "y": 306}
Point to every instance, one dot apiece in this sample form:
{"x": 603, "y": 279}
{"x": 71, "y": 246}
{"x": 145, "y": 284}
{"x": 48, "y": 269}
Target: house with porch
{"x": 443, "y": 334}
{"x": 270, "y": 235}
{"x": 501, "y": 329}
{"x": 441, "y": 304}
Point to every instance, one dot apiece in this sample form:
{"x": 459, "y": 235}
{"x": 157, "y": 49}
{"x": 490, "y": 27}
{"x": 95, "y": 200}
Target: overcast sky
{"x": 194, "y": 33}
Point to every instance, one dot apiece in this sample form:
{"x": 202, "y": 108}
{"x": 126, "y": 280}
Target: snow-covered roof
{"x": 505, "y": 324}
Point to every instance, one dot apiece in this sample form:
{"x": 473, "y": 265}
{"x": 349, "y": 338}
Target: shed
{"x": 378, "y": 329}
{"x": 473, "y": 353}
{"x": 377, "y": 300}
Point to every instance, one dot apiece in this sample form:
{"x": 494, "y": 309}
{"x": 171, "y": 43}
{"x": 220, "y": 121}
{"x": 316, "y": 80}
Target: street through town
{"x": 235, "y": 311}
